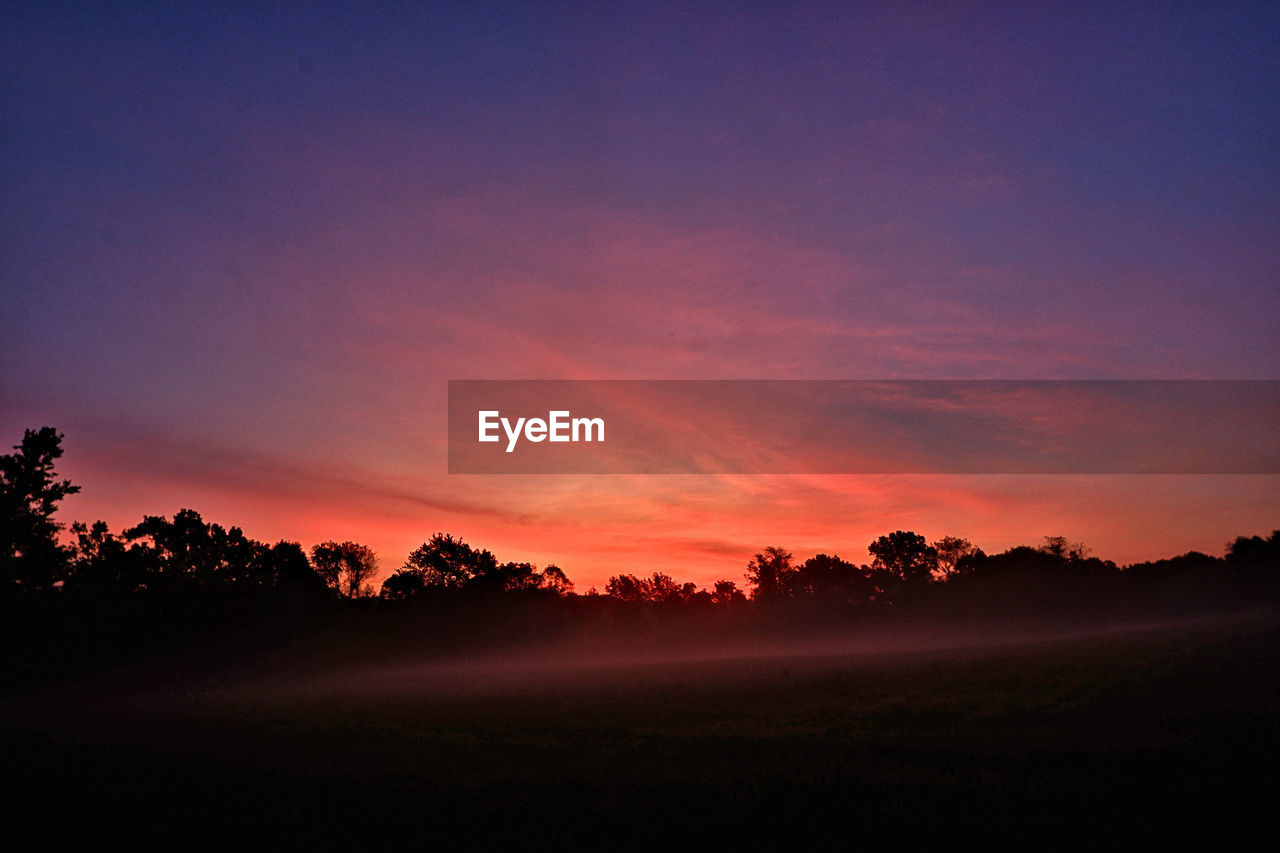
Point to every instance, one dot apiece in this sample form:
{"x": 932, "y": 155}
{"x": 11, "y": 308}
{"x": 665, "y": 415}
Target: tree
{"x": 346, "y": 567}
{"x": 663, "y": 589}
{"x": 555, "y": 580}
{"x": 902, "y": 558}
{"x": 29, "y": 496}
{"x": 727, "y": 592}
{"x": 1059, "y": 547}
{"x": 627, "y": 588}
{"x": 510, "y": 577}
{"x": 404, "y": 583}
{"x": 831, "y": 579}
{"x": 1254, "y": 556}
{"x": 189, "y": 551}
{"x": 285, "y": 566}
{"x": 951, "y": 550}
{"x": 658, "y": 588}
{"x": 103, "y": 563}
{"x": 443, "y": 561}
{"x": 163, "y": 555}
{"x": 770, "y": 574}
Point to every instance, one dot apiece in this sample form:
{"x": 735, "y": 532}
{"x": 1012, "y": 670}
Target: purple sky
{"x": 244, "y": 251}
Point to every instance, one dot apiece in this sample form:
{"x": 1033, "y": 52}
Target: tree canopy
{"x": 346, "y": 567}
{"x": 769, "y": 573}
{"x": 445, "y": 562}
{"x": 903, "y": 558}
{"x": 29, "y": 495}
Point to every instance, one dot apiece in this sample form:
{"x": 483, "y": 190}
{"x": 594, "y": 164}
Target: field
{"x": 1134, "y": 729}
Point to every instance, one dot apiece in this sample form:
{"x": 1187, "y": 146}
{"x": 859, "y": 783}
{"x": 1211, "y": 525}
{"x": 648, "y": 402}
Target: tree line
{"x": 185, "y": 555}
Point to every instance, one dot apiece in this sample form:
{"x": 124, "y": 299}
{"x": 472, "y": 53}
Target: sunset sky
{"x": 246, "y": 246}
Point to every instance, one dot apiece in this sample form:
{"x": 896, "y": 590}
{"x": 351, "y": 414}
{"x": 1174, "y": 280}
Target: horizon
{"x": 384, "y": 570}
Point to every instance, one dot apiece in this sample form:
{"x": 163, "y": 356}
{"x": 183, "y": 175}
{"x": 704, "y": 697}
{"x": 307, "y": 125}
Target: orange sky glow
{"x": 245, "y": 255}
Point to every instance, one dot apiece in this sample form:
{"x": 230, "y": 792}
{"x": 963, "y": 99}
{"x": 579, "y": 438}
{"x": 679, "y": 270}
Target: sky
{"x": 246, "y": 247}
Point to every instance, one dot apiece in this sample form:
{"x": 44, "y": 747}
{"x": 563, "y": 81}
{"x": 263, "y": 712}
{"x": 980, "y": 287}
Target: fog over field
{"x": 579, "y": 739}
{"x": 611, "y": 662}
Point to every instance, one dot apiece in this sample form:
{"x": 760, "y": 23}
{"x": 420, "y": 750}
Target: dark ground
{"x": 1170, "y": 728}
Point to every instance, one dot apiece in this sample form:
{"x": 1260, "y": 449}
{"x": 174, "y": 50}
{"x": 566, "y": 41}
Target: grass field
{"x": 1127, "y": 730}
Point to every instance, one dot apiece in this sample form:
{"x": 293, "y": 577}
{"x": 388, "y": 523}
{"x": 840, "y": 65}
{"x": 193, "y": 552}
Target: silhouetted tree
{"x": 1060, "y": 547}
{"x": 189, "y": 551}
{"x": 403, "y": 583}
{"x": 285, "y": 566}
{"x": 951, "y": 550}
{"x": 30, "y": 555}
{"x": 346, "y": 567}
{"x": 663, "y": 589}
{"x": 769, "y": 574}
{"x": 658, "y": 588}
{"x": 159, "y": 555}
{"x": 103, "y": 561}
{"x": 1041, "y": 564}
{"x": 1192, "y": 564}
{"x": 627, "y": 588}
{"x": 902, "y": 559}
{"x": 525, "y": 577}
{"x": 1020, "y": 560}
{"x": 690, "y": 594}
{"x": 510, "y": 577}
{"x": 555, "y": 580}
{"x": 1254, "y": 556}
{"x": 443, "y": 561}
{"x": 727, "y": 592}
{"x": 832, "y": 579}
